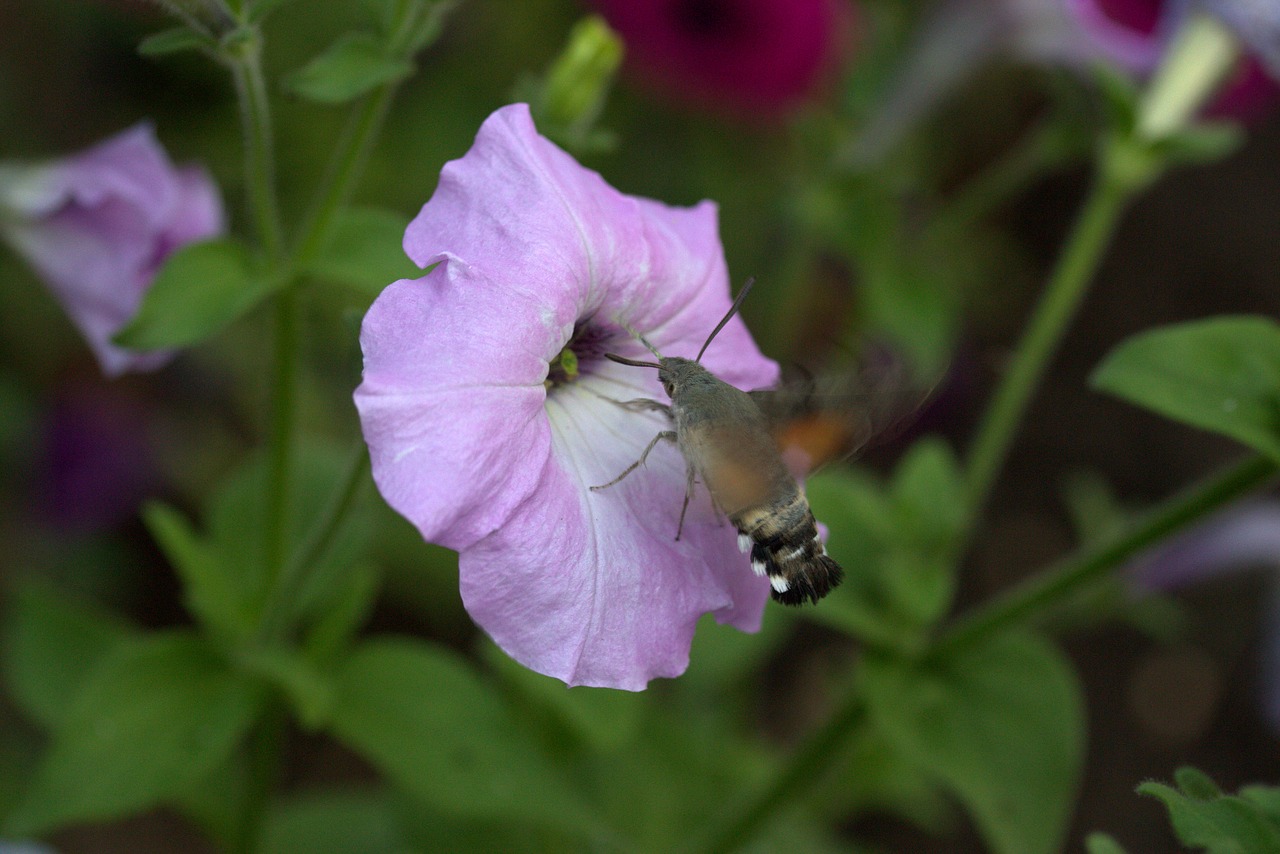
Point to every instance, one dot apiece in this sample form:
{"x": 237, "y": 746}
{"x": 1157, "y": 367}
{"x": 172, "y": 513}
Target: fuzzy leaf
{"x": 1221, "y": 374}
{"x": 1001, "y": 724}
{"x": 175, "y": 40}
{"x": 51, "y": 644}
{"x": 365, "y": 251}
{"x": 1221, "y": 824}
{"x": 353, "y": 65}
{"x": 200, "y": 289}
{"x": 423, "y": 718}
{"x": 157, "y": 714}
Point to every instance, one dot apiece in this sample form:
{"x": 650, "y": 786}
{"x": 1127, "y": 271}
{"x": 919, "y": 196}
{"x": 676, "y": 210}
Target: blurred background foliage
{"x": 842, "y": 256}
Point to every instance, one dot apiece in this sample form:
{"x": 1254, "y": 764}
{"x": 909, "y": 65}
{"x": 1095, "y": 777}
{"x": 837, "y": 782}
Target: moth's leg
{"x": 669, "y": 435}
{"x": 688, "y": 493}
{"x": 643, "y": 404}
{"x": 639, "y": 404}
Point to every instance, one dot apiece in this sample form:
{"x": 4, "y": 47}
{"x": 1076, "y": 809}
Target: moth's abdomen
{"x": 784, "y": 545}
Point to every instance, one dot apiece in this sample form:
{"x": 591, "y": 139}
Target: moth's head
{"x": 676, "y": 373}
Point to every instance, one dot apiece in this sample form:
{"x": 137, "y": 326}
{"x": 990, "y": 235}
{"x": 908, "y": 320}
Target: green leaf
{"x": 174, "y": 40}
{"x": 353, "y": 65}
{"x": 600, "y": 717}
{"x": 158, "y": 713}
{"x": 1221, "y": 824}
{"x": 1101, "y": 843}
{"x": 423, "y": 718}
{"x": 1221, "y": 374}
{"x": 1194, "y": 783}
{"x": 860, "y": 521}
{"x": 1001, "y": 724}
{"x": 365, "y": 251}
{"x": 1207, "y": 142}
{"x": 50, "y": 646}
{"x": 212, "y": 594}
{"x": 200, "y": 289}
{"x": 335, "y": 822}
{"x": 224, "y": 571}
{"x": 260, "y": 9}
{"x": 928, "y": 510}
{"x": 1265, "y": 798}
{"x": 431, "y": 24}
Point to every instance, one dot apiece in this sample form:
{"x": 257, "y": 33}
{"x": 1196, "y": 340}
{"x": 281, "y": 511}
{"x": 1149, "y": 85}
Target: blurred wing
{"x": 819, "y": 419}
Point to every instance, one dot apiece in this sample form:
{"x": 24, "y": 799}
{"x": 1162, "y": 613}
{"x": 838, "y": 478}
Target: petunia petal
{"x": 592, "y": 587}
{"x": 518, "y": 208}
{"x": 452, "y": 400}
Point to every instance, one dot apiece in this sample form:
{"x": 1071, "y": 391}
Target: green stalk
{"x": 259, "y": 154}
{"x": 284, "y": 406}
{"x": 1040, "y": 150}
{"x": 1067, "y": 287}
{"x": 347, "y": 163}
{"x": 803, "y": 771}
{"x": 245, "y": 61}
{"x": 293, "y": 578}
{"x": 344, "y": 170}
{"x": 265, "y": 750}
{"x": 1078, "y": 571}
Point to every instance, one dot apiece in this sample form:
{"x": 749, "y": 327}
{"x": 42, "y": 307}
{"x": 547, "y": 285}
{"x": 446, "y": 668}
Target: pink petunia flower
{"x": 487, "y": 438}
{"x": 759, "y": 57}
{"x": 97, "y": 226}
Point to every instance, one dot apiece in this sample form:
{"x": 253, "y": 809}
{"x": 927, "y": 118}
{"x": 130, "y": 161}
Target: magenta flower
{"x": 486, "y": 436}
{"x": 752, "y": 56}
{"x": 98, "y": 225}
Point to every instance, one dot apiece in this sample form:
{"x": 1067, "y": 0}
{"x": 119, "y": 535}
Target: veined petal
{"x": 97, "y": 226}
{"x": 518, "y": 208}
{"x": 592, "y": 587}
{"x": 486, "y": 438}
{"x": 452, "y": 400}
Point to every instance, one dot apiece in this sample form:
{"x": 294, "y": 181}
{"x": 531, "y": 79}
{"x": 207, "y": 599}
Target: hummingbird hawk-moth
{"x": 734, "y": 442}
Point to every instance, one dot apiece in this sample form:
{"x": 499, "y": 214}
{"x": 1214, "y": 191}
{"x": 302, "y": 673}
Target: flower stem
{"x": 245, "y": 61}
{"x": 295, "y": 574}
{"x": 280, "y": 454}
{"x": 1079, "y": 570}
{"x": 804, "y": 769}
{"x": 1066, "y": 289}
{"x": 345, "y": 168}
{"x": 265, "y": 749}
{"x": 259, "y": 155}
{"x": 1043, "y": 148}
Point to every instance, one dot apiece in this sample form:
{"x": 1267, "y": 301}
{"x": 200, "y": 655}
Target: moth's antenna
{"x": 614, "y": 357}
{"x": 632, "y": 362}
{"x": 733, "y": 309}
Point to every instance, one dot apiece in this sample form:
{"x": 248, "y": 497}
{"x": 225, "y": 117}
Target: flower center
{"x": 708, "y": 18}
{"x": 586, "y": 347}
{"x": 563, "y": 369}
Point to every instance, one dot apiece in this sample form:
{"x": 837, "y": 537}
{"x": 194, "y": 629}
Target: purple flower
{"x": 486, "y": 436}
{"x": 98, "y": 225}
{"x": 98, "y": 457}
{"x": 753, "y": 56}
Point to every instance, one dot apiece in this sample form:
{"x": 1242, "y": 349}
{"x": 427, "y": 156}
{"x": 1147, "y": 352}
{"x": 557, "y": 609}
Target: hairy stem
{"x": 1067, "y": 287}
{"x": 1076, "y": 572}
